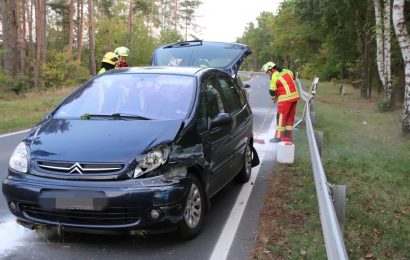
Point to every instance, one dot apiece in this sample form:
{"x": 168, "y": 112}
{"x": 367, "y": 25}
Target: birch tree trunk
{"x": 387, "y": 52}
{"x": 403, "y": 38}
{"x": 91, "y": 38}
{"x": 379, "y": 41}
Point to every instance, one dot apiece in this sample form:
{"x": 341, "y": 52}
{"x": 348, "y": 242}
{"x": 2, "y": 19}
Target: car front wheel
{"x": 191, "y": 224}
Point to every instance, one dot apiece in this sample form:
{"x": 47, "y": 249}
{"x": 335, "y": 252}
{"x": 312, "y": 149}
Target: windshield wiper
{"x": 87, "y": 116}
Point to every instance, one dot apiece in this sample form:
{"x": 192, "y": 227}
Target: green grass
{"x": 21, "y": 112}
{"x": 365, "y": 150}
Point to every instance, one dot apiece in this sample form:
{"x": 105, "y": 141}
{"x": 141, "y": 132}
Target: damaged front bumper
{"x": 155, "y": 203}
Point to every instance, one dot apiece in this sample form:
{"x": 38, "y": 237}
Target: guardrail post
{"x": 313, "y": 118}
{"x": 319, "y": 141}
{"x": 339, "y": 202}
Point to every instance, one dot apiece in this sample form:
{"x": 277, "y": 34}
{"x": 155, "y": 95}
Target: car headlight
{"x": 20, "y": 158}
{"x": 152, "y": 160}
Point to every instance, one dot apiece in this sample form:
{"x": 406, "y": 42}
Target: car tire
{"x": 191, "y": 223}
{"x": 245, "y": 174}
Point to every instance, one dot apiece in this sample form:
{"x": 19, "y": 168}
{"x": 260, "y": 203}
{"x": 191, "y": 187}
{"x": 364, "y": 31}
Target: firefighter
{"x": 283, "y": 89}
{"x": 122, "y": 53}
{"x": 108, "y": 62}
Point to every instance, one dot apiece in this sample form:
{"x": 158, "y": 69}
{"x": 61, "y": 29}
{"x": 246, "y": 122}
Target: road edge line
{"x": 227, "y": 236}
{"x": 14, "y": 133}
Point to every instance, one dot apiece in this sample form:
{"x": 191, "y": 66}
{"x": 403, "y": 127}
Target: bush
{"x": 17, "y": 84}
{"x": 53, "y": 73}
{"x": 384, "y": 106}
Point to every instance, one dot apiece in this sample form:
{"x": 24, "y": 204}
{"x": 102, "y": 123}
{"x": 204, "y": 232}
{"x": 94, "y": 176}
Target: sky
{"x": 225, "y": 20}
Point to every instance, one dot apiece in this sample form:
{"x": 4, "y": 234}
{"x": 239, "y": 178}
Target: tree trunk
{"x": 176, "y": 15}
{"x": 131, "y": 16}
{"x": 387, "y": 52}
{"x": 70, "y": 35}
{"x": 399, "y": 22}
{"x": 91, "y": 38}
{"x": 40, "y": 32}
{"x": 43, "y": 11}
{"x": 80, "y": 6}
{"x": 23, "y": 36}
{"x": 379, "y": 41}
{"x": 10, "y": 36}
{"x": 30, "y": 29}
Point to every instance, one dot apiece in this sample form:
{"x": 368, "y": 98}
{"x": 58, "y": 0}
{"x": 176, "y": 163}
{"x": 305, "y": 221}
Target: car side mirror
{"x": 246, "y": 86}
{"x": 222, "y": 119}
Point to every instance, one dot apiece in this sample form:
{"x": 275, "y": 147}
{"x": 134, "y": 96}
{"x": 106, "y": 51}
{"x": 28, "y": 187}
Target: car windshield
{"x": 215, "y": 56}
{"x": 152, "y": 96}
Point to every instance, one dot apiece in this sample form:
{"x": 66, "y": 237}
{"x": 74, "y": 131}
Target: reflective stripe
{"x": 285, "y": 85}
{"x": 289, "y": 97}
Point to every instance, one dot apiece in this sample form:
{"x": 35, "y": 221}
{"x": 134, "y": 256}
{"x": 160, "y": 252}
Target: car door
{"x": 216, "y": 139}
{"x": 239, "y": 111}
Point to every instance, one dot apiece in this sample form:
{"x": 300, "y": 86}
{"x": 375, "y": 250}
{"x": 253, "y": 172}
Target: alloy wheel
{"x": 193, "y": 207}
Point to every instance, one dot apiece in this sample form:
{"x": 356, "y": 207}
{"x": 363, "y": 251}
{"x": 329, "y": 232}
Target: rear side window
{"x": 214, "y": 98}
{"x": 231, "y": 96}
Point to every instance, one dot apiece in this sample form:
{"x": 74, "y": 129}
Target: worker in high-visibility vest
{"x": 282, "y": 88}
{"x": 122, "y": 53}
{"x": 108, "y": 62}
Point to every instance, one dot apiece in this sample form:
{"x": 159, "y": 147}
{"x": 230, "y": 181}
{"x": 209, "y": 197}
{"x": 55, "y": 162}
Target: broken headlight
{"x": 152, "y": 160}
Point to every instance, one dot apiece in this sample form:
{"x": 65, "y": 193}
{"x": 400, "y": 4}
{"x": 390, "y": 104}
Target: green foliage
{"x": 169, "y": 36}
{"x": 57, "y": 72}
{"x": 384, "y": 106}
{"x": 54, "y": 72}
{"x": 17, "y": 85}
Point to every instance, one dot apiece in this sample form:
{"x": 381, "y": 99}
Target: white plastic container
{"x": 285, "y": 152}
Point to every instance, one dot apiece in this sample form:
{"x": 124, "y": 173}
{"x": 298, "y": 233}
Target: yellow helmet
{"x": 268, "y": 66}
{"x": 122, "y": 51}
{"x": 110, "y": 58}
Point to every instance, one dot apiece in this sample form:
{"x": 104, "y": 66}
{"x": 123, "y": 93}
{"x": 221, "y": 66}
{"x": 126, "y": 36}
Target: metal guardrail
{"x": 333, "y": 237}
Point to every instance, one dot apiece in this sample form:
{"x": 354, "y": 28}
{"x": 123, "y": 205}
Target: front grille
{"x": 79, "y": 168}
{"x": 109, "y": 217}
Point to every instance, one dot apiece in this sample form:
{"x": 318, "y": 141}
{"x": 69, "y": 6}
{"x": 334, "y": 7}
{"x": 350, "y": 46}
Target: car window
{"x": 214, "y": 100}
{"x": 155, "y": 96}
{"x": 231, "y": 96}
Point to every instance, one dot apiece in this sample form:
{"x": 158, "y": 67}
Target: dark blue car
{"x": 134, "y": 149}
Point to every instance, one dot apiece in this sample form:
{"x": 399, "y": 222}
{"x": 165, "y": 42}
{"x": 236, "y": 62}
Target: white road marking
{"x": 14, "y": 133}
{"x": 222, "y": 247}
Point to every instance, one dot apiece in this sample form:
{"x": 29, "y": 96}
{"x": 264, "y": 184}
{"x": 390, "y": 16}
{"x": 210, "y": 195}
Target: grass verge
{"x": 363, "y": 149}
{"x": 21, "y": 112}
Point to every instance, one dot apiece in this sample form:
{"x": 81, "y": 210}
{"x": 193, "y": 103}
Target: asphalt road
{"x": 20, "y": 243}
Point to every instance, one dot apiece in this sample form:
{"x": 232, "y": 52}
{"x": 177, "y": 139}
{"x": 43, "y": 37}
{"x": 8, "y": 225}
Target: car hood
{"x": 100, "y": 140}
{"x": 224, "y": 56}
